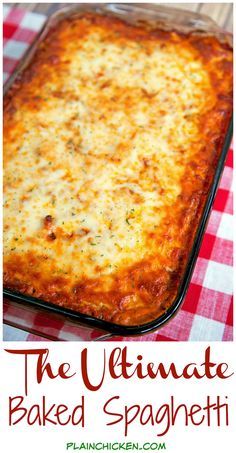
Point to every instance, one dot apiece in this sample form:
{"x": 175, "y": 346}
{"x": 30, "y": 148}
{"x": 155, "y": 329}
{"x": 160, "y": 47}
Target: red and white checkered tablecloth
{"x": 207, "y": 312}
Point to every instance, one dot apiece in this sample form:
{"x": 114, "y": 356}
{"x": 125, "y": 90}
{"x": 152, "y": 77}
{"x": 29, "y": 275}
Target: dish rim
{"x": 76, "y": 316}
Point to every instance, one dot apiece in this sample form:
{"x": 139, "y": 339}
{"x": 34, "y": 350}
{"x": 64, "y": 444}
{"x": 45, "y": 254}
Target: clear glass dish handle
{"x": 49, "y": 326}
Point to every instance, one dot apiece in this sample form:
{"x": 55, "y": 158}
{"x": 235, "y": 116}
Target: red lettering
{"x": 85, "y": 374}
{"x": 44, "y": 414}
{"x": 16, "y": 408}
{"x": 42, "y": 365}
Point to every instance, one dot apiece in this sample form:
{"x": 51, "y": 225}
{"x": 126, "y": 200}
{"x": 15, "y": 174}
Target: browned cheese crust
{"x": 111, "y": 139}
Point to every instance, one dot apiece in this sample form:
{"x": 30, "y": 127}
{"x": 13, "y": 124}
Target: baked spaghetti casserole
{"x": 111, "y": 139}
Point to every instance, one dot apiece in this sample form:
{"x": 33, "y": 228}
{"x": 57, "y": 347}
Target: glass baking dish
{"x": 20, "y": 310}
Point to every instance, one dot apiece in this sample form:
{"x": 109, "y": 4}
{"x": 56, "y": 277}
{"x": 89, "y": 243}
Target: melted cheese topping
{"x": 96, "y": 155}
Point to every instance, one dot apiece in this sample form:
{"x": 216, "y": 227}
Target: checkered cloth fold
{"x": 207, "y": 311}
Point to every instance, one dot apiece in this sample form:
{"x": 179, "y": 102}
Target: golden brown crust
{"x": 139, "y": 291}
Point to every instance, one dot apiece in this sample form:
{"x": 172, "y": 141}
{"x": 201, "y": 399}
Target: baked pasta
{"x": 111, "y": 139}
